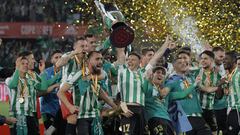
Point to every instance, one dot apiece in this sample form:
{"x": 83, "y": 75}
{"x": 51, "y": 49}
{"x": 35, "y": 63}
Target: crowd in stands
{"x": 37, "y": 11}
{"x": 41, "y": 47}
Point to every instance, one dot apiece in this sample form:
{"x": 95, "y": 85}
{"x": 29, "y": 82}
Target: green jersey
{"x": 191, "y": 104}
{"x": 158, "y": 108}
{"x": 153, "y": 105}
{"x": 71, "y": 67}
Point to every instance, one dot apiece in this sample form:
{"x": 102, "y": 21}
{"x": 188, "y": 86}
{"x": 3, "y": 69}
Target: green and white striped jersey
{"x": 130, "y": 85}
{"x": 71, "y": 67}
{"x": 34, "y": 80}
{"x": 30, "y": 86}
{"x": 85, "y": 98}
{"x": 234, "y": 90}
{"x": 16, "y": 107}
{"x": 207, "y": 99}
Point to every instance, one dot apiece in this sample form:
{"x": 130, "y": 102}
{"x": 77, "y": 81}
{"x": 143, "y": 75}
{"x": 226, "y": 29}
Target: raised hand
{"x": 171, "y": 44}
{"x": 18, "y": 62}
{"x": 167, "y": 40}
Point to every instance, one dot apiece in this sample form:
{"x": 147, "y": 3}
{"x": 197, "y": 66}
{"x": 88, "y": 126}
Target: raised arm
{"x": 121, "y": 57}
{"x": 13, "y": 82}
{"x": 160, "y": 52}
{"x": 42, "y": 83}
{"x": 65, "y": 58}
{"x": 52, "y": 80}
{"x": 49, "y": 89}
{"x": 79, "y": 52}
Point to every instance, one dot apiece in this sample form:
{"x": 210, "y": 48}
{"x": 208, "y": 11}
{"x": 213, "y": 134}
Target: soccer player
{"x": 220, "y": 105}
{"x": 233, "y": 93}
{"x": 50, "y": 108}
{"x": 130, "y": 86}
{"x": 23, "y": 93}
{"x": 191, "y": 105}
{"x": 210, "y": 79}
{"x": 70, "y": 63}
{"x": 158, "y": 96}
{"x": 146, "y": 56}
{"x": 87, "y": 92}
{"x": 91, "y": 42}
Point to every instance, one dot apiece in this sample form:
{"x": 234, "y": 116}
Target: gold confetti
{"x": 217, "y": 21}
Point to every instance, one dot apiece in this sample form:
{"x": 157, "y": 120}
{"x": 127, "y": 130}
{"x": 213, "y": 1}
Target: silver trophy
{"x": 121, "y": 34}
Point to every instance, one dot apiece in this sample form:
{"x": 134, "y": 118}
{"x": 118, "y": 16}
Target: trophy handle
{"x": 101, "y": 8}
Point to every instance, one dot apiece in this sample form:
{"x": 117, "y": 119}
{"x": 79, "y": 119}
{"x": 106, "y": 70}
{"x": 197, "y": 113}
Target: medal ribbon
{"x": 83, "y": 65}
{"x": 208, "y": 79}
{"x": 94, "y": 85}
{"x": 22, "y": 88}
{"x": 55, "y": 70}
{"x": 231, "y": 75}
{"x": 186, "y": 85}
{"x": 32, "y": 75}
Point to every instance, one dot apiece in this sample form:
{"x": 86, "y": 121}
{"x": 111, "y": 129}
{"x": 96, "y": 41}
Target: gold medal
{"x": 23, "y": 91}
{"x": 21, "y": 100}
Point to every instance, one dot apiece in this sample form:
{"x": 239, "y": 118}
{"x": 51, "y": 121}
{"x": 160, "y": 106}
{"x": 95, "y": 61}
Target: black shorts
{"x": 199, "y": 126}
{"x": 210, "y": 118}
{"x": 84, "y": 126}
{"x": 111, "y": 125}
{"x": 59, "y": 123}
{"x": 135, "y": 124}
{"x": 48, "y": 121}
{"x": 159, "y": 126}
{"x": 221, "y": 117}
{"x": 233, "y": 126}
